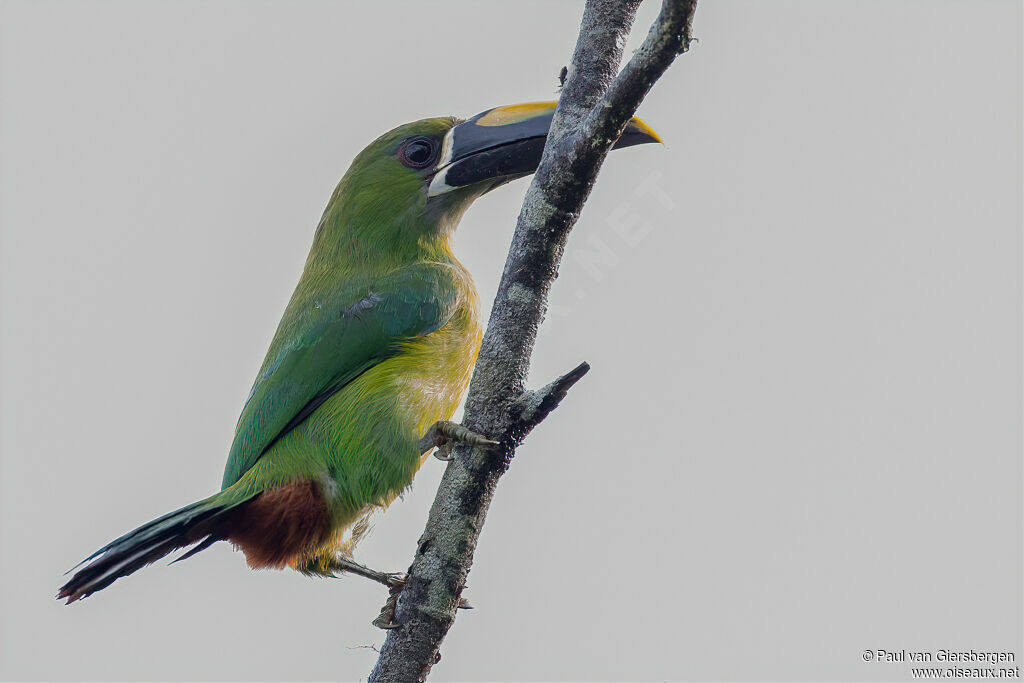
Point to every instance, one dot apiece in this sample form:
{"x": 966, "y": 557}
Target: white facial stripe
{"x": 447, "y": 147}
{"x": 438, "y": 185}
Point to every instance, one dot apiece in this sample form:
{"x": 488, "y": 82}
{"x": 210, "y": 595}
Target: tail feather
{"x": 147, "y": 544}
{"x": 138, "y": 534}
{"x": 207, "y": 542}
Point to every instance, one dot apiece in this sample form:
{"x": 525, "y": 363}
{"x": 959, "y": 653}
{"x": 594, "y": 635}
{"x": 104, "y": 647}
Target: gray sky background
{"x": 801, "y": 438}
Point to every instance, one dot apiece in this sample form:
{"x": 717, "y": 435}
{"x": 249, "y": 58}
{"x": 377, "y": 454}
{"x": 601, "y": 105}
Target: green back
{"x": 339, "y": 340}
{"x": 378, "y": 274}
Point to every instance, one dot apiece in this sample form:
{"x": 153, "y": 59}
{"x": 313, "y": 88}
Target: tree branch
{"x": 594, "y": 107}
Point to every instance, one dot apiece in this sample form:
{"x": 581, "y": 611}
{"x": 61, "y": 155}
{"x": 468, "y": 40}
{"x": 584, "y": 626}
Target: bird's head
{"x": 408, "y": 189}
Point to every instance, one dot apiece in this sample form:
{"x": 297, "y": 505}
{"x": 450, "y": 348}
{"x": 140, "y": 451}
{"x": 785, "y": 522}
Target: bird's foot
{"x": 386, "y": 619}
{"x": 442, "y": 434}
{"x": 395, "y": 582}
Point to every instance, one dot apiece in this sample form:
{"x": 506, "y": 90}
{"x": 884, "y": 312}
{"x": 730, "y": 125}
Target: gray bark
{"x": 594, "y": 107}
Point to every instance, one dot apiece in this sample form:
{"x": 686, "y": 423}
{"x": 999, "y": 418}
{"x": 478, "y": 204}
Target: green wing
{"x": 318, "y": 350}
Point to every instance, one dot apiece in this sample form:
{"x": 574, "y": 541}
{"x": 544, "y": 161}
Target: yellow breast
{"x": 430, "y": 376}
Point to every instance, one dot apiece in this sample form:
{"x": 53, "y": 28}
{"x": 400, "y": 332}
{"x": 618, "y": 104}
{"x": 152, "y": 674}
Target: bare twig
{"x": 594, "y": 108}
{"x": 537, "y": 405}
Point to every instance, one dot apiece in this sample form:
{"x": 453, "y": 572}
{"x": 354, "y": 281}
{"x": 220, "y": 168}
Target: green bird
{"x": 372, "y": 356}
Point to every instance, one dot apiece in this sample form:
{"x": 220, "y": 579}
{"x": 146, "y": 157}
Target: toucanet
{"x": 369, "y": 361}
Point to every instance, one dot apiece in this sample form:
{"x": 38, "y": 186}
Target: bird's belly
{"x": 428, "y": 390}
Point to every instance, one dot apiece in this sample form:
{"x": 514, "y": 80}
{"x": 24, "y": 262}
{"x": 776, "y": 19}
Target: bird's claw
{"x": 386, "y": 619}
{"x": 444, "y": 433}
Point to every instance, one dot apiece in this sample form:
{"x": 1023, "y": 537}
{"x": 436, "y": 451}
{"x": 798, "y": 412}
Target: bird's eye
{"x": 418, "y": 152}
